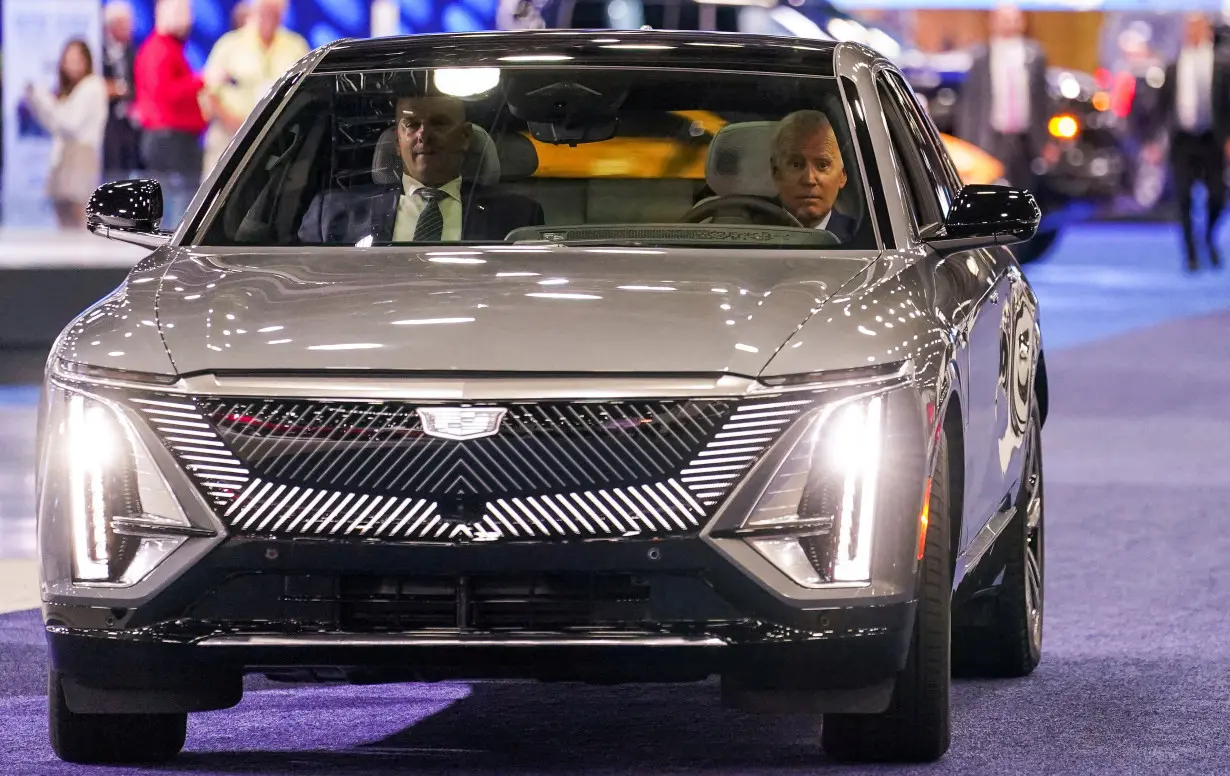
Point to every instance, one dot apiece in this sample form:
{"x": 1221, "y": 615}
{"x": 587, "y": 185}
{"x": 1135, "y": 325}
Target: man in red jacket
{"x": 168, "y": 108}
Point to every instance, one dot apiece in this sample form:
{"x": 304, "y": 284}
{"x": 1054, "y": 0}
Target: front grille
{"x": 553, "y": 470}
{"x": 485, "y": 602}
{"x": 380, "y": 448}
{"x": 559, "y": 602}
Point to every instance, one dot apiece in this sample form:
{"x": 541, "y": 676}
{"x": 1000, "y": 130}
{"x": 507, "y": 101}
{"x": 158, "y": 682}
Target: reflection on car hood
{"x": 492, "y": 309}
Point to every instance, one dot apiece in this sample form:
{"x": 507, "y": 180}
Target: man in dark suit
{"x": 121, "y": 138}
{"x": 426, "y": 198}
{"x": 1194, "y": 112}
{"x": 808, "y": 172}
{"x": 1004, "y": 106}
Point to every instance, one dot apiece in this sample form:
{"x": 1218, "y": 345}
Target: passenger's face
{"x": 809, "y": 175}
{"x": 432, "y": 136}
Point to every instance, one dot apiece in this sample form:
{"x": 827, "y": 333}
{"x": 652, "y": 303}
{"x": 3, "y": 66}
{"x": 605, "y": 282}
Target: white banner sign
{"x": 35, "y": 33}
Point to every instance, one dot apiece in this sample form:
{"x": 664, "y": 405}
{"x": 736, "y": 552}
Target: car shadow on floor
{"x": 1078, "y": 716}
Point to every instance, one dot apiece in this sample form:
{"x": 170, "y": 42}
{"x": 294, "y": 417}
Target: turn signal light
{"x": 1064, "y": 127}
{"x": 924, "y": 518}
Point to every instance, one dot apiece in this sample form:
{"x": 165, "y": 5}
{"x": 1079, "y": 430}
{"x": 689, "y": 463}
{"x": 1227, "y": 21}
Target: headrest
{"x": 481, "y": 164}
{"x": 518, "y": 158}
{"x": 738, "y": 160}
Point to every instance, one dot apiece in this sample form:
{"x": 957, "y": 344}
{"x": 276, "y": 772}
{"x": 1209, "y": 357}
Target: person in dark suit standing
{"x": 1004, "y": 105}
{"x": 121, "y": 139}
{"x": 432, "y": 201}
{"x": 1194, "y": 113}
{"x": 809, "y": 173}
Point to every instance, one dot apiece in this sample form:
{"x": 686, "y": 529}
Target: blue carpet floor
{"x": 1135, "y": 677}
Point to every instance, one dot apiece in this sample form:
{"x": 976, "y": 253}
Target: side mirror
{"x": 127, "y": 211}
{"x": 983, "y": 216}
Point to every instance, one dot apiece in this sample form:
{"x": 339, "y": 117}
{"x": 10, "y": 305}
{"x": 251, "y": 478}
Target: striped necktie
{"x": 430, "y": 225}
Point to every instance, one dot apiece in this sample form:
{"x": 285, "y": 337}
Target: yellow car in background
{"x": 661, "y": 154}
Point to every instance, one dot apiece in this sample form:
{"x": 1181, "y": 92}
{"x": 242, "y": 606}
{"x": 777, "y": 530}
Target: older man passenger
{"x": 809, "y": 173}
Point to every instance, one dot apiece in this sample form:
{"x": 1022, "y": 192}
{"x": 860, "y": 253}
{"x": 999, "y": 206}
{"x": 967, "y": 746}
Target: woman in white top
{"x": 76, "y": 117}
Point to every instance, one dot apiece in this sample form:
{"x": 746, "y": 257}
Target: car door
{"x": 977, "y": 284}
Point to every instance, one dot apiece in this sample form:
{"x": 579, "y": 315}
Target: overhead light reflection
{"x": 347, "y": 346}
{"x": 560, "y": 295}
{"x": 456, "y": 260}
{"x": 536, "y": 58}
{"x": 430, "y": 321}
{"x": 466, "y": 81}
{"x": 638, "y": 46}
{"x": 647, "y": 288}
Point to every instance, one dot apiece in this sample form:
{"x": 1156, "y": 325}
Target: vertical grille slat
{"x": 555, "y": 470}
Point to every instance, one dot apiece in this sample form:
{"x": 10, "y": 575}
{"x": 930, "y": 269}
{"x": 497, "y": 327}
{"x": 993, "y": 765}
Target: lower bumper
{"x": 305, "y": 611}
{"x": 105, "y": 674}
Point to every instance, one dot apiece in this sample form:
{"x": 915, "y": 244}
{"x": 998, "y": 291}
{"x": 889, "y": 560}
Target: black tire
{"x": 110, "y": 738}
{"x": 915, "y": 727}
{"x": 1004, "y": 638}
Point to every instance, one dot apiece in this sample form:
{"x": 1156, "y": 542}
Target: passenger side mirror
{"x": 129, "y": 211}
{"x": 983, "y": 216}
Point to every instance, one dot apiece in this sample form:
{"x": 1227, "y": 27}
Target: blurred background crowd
{"x": 1121, "y": 114}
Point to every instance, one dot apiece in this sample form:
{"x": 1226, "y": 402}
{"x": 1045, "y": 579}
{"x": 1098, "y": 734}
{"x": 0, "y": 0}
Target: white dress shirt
{"x": 1009, "y": 86}
{"x": 1194, "y": 90}
{"x": 410, "y": 205}
{"x": 824, "y": 222}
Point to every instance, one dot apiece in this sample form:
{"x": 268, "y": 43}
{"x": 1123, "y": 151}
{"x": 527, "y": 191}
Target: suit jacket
{"x": 1167, "y": 114}
{"x": 972, "y": 122}
{"x": 840, "y": 225}
{"x": 351, "y": 215}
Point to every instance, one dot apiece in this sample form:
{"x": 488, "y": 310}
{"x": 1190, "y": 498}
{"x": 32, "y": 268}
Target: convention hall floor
{"x": 1134, "y": 678}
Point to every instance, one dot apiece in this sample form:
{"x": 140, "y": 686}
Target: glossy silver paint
{"x": 967, "y": 322}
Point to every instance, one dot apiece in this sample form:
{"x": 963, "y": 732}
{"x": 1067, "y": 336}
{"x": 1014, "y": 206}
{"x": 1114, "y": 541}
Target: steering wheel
{"x": 706, "y": 209}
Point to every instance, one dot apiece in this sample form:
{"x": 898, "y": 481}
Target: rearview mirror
{"x": 129, "y": 211}
{"x": 985, "y": 215}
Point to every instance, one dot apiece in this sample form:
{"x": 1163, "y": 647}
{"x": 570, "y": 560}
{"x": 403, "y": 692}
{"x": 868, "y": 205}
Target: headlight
{"x": 815, "y": 519}
{"x": 122, "y": 518}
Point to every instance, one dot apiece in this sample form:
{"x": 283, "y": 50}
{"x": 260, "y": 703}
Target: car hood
{"x": 505, "y": 309}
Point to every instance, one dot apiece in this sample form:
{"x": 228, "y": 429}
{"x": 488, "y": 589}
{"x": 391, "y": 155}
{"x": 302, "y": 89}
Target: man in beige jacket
{"x": 242, "y": 65}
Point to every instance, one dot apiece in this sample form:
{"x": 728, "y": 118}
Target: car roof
{"x": 603, "y": 48}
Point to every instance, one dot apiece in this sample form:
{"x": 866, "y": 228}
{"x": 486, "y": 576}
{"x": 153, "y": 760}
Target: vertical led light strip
{"x": 858, "y": 430}
{"x": 87, "y": 450}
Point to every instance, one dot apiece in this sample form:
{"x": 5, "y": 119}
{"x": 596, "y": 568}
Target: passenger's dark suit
{"x": 840, "y": 226}
{"x": 352, "y": 215}
{"x": 1200, "y": 156}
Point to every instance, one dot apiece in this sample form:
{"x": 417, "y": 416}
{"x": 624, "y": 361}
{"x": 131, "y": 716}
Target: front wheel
{"x": 915, "y": 727}
{"x": 1001, "y": 636}
{"x": 110, "y": 738}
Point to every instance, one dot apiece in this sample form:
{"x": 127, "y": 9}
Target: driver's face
{"x": 432, "y": 137}
{"x": 809, "y": 175}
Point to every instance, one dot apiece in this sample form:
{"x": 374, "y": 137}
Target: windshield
{"x": 532, "y": 155}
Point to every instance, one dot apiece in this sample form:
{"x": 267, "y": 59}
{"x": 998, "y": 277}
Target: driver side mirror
{"x": 127, "y": 211}
{"x": 983, "y": 216}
